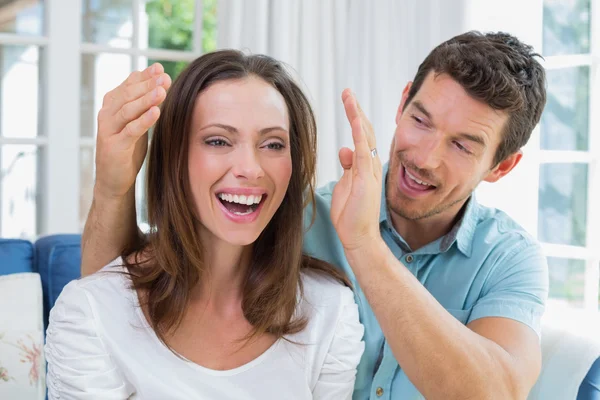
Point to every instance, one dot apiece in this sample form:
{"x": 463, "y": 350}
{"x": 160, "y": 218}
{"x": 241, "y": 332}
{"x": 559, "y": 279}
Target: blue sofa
{"x": 57, "y": 259}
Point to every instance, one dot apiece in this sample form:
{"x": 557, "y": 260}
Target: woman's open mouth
{"x": 241, "y": 208}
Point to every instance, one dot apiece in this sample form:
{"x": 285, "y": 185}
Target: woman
{"x": 218, "y": 301}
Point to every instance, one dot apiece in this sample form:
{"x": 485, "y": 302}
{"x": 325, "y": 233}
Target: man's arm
{"x": 110, "y": 226}
{"x": 127, "y": 112}
{"x": 490, "y": 358}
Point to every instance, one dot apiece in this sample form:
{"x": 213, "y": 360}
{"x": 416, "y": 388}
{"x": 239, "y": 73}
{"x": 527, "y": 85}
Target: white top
{"x": 99, "y": 345}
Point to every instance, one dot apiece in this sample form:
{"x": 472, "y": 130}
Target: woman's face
{"x": 239, "y": 158}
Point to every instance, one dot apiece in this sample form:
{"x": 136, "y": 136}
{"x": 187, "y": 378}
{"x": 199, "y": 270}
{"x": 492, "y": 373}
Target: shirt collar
{"x": 462, "y": 232}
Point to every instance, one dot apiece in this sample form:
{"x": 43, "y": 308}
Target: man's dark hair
{"x": 499, "y": 70}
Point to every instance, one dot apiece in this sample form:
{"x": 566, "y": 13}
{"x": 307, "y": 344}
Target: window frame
{"x": 591, "y": 252}
{"x": 58, "y": 72}
{"x": 139, "y": 53}
{"x": 61, "y": 48}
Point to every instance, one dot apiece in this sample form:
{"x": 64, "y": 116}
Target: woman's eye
{"x": 275, "y": 146}
{"x": 217, "y": 143}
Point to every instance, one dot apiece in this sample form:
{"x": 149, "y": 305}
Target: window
{"x": 50, "y": 94}
{"x": 127, "y": 35}
{"x": 569, "y": 171}
{"x": 22, "y": 137}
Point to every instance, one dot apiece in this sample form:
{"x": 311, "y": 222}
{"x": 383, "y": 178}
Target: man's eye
{"x": 418, "y": 120}
{"x": 461, "y": 147}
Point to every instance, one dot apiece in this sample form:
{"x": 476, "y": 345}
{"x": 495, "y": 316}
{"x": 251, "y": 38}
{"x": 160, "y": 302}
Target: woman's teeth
{"x": 240, "y": 204}
{"x": 241, "y": 199}
{"x": 248, "y": 211}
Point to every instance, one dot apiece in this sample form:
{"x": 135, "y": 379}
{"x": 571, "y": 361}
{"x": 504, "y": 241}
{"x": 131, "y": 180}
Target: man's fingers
{"x": 350, "y": 105}
{"x": 132, "y": 78}
{"x": 135, "y": 109}
{"x": 136, "y": 128}
{"x": 357, "y": 112}
{"x": 139, "y": 76}
{"x": 345, "y": 94}
{"x": 115, "y": 99}
{"x": 362, "y": 152}
{"x": 346, "y": 156}
{"x": 137, "y": 90}
{"x": 122, "y": 95}
{"x": 372, "y": 142}
{"x": 367, "y": 127}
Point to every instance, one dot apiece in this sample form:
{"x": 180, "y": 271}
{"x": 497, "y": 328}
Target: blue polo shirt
{"x": 486, "y": 266}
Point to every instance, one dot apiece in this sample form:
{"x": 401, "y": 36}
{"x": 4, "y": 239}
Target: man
{"x": 450, "y": 292}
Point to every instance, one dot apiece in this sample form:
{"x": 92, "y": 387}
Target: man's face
{"x": 444, "y": 145}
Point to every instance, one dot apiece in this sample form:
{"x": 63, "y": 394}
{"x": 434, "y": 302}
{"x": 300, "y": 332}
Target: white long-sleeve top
{"x": 100, "y": 346}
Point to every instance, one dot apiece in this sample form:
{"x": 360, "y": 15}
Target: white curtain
{"x": 372, "y": 47}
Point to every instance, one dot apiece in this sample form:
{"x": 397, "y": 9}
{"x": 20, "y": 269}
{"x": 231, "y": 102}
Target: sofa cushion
{"x": 16, "y": 255}
{"x": 22, "y": 365}
{"x": 58, "y": 259}
{"x": 570, "y": 350}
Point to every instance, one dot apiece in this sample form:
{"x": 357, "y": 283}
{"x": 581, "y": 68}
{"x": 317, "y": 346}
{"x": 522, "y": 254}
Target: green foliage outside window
{"x": 171, "y": 26}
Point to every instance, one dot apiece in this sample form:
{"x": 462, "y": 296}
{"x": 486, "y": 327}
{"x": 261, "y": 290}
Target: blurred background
{"x": 59, "y": 57}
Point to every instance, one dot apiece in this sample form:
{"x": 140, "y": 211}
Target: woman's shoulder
{"x": 321, "y": 289}
{"x": 325, "y": 301}
{"x": 113, "y": 275}
{"x": 332, "y": 339}
{"x": 102, "y": 305}
{"x": 75, "y": 338}
{"x": 109, "y": 287}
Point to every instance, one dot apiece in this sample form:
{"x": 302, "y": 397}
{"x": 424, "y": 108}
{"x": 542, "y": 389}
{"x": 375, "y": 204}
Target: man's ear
{"x": 504, "y": 167}
{"x": 403, "y": 101}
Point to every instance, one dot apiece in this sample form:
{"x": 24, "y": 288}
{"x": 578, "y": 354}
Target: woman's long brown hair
{"x": 173, "y": 263}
